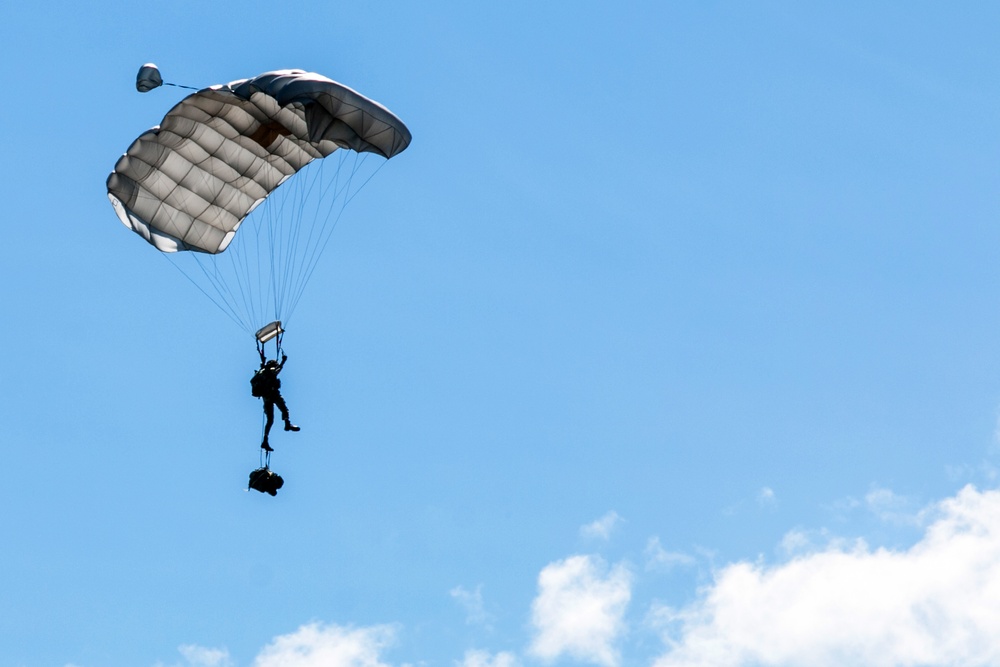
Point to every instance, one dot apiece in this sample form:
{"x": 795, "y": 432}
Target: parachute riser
{"x": 261, "y": 350}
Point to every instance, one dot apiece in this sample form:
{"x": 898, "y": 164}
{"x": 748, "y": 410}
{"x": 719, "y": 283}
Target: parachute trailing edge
{"x": 188, "y": 184}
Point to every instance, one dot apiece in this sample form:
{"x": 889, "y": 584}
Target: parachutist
{"x": 265, "y": 385}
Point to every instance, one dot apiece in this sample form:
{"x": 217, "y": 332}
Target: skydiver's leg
{"x": 269, "y": 413}
{"x": 280, "y": 402}
{"x": 289, "y": 426}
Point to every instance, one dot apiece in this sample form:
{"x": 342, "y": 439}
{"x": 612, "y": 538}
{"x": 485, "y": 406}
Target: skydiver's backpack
{"x": 258, "y": 384}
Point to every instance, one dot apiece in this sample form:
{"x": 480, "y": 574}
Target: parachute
{"x": 188, "y": 185}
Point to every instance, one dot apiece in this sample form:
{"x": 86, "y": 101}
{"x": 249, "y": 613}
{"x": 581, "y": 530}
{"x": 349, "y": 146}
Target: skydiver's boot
{"x": 289, "y": 426}
{"x": 266, "y": 447}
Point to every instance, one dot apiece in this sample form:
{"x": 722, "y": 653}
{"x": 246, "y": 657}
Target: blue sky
{"x": 671, "y": 339}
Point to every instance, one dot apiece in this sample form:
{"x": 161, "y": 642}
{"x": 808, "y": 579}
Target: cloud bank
{"x": 934, "y": 604}
{"x": 937, "y": 603}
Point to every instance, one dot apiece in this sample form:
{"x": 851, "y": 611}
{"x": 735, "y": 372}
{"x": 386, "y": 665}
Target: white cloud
{"x": 884, "y": 504}
{"x": 658, "y": 558}
{"x": 891, "y": 507}
{"x": 798, "y": 542}
{"x": 601, "y": 528}
{"x": 484, "y": 659}
{"x": 937, "y": 603}
{"x": 765, "y": 498}
{"x": 318, "y": 645}
{"x": 472, "y": 603}
{"x": 199, "y": 656}
{"x": 579, "y": 610}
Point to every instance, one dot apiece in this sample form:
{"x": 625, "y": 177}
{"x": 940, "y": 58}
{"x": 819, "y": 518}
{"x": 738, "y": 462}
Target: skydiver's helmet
{"x": 271, "y": 364}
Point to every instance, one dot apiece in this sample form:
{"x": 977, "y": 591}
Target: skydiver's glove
{"x": 284, "y": 358}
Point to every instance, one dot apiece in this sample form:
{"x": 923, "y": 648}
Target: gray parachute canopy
{"x": 189, "y": 183}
